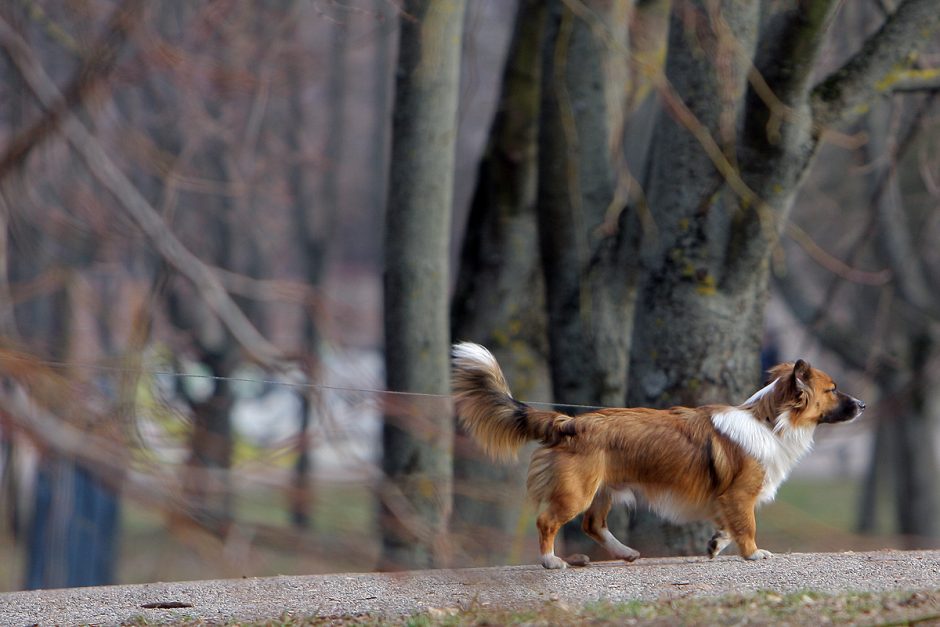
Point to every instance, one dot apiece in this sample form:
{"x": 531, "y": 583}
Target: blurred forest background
{"x": 207, "y": 206}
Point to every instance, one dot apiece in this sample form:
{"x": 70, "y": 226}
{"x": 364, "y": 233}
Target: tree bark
{"x": 417, "y": 442}
{"x": 693, "y": 342}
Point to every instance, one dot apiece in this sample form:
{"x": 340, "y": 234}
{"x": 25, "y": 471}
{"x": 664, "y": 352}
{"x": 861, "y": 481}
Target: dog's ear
{"x": 802, "y": 372}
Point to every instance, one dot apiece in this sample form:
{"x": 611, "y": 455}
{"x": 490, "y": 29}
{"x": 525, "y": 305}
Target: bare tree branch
{"x": 776, "y": 124}
{"x": 270, "y": 290}
{"x": 96, "y": 66}
{"x": 789, "y": 48}
{"x": 103, "y": 168}
{"x": 870, "y": 72}
{"x": 917, "y": 79}
{"x": 833, "y": 264}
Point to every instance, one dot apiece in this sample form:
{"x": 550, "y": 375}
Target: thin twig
{"x": 834, "y": 264}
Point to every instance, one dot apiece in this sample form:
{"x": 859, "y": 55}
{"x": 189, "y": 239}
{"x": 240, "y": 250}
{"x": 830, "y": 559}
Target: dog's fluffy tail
{"x": 487, "y": 410}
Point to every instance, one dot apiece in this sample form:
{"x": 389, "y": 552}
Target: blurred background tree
{"x": 416, "y": 447}
{"x": 499, "y": 260}
{"x": 630, "y": 202}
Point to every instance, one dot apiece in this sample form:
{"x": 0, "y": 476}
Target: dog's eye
{"x": 831, "y": 390}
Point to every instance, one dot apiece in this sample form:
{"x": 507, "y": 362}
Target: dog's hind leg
{"x": 566, "y": 483}
{"x": 719, "y": 541}
{"x": 548, "y": 523}
{"x": 595, "y": 526}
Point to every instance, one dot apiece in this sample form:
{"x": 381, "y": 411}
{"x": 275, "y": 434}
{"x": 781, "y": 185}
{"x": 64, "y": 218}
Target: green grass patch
{"x": 152, "y": 551}
{"x": 830, "y": 502}
{"x": 819, "y": 515}
{"x": 12, "y": 568}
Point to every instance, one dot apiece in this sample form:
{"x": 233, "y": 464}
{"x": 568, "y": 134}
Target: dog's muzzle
{"x": 849, "y": 408}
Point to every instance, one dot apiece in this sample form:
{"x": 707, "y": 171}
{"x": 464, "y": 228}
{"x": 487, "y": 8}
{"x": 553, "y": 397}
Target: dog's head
{"x": 811, "y": 396}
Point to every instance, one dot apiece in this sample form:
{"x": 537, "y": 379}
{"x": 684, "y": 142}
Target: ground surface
{"x": 442, "y": 590}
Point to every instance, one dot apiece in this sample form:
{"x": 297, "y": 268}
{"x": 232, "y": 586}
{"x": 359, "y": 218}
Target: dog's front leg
{"x": 738, "y": 514}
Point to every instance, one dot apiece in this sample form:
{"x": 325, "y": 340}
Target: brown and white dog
{"x": 715, "y": 462}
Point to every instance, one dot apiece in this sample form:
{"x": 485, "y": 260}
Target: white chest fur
{"x": 777, "y": 450}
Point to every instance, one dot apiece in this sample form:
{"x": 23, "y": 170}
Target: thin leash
{"x": 289, "y": 384}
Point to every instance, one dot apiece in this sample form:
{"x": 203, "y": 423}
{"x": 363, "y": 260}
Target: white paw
{"x": 760, "y": 554}
{"x": 626, "y": 554}
{"x": 553, "y": 562}
{"x": 617, "y": 549}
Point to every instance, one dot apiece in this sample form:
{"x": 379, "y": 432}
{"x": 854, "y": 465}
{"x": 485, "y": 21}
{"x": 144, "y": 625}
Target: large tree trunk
{"x": 903, "y": 468}
{"x": 742, "y": 155}
{"x": 695, "y": 340}
{"x": 499, "y": 297}
{"x": 698, "y": 328}
{"x": 589, "y": 275}
{"x": 417, "y": 440}
{"x": 589, "y": 296}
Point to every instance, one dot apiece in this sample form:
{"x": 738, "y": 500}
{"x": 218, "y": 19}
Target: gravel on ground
{"x": 501, "y": 587}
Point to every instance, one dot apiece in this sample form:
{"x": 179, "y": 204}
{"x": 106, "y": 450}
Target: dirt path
{"x": 405, "y": 593}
